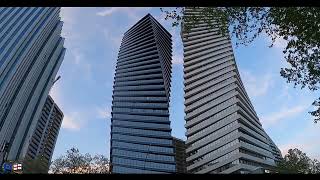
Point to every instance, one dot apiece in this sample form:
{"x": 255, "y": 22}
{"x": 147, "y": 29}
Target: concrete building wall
{"x": 224, "y": 134}
{"x": 180, "y": 155}
{"x": 46, "y": 132}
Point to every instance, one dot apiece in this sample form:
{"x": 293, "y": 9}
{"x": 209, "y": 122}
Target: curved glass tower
{"x": 224, "y": 134}
{"x": 141, "y": 139}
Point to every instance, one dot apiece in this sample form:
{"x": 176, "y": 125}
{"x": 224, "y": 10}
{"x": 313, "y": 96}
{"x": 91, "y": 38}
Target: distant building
{"x": 180, "y": 155}
{"x": 141, "y": 139}
{"x": 46, "y": 133}
{"x": 224, "y": 133}
{"x": 275, "y": 151}
{"x": 31, "y": 52}
{"x": 261, "y": 170}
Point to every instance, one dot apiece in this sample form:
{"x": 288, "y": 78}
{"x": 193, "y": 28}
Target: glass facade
{"x": 141, "y": 139}
{"x": 31, "y": 52}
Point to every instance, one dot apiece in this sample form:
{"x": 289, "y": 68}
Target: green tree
{"x": 315, "y": 167}
{"x": 298, "y": 162}
{"x": 294, "y": 162}
{"x": 76, "y": 163}
{"x": 38, "y": 165}
{"x": 298, "y": 26}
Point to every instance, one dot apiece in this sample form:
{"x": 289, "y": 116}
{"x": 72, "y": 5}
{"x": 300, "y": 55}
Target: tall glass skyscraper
{"x": 31, "y": 52}
{"x": 224, "y": 134}
{"x": 141, "y": 139}
{"x": 180, "y": 155}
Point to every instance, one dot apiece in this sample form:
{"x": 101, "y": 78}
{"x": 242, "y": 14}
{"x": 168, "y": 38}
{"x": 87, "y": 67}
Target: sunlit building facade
{"x": 224, "y": 134}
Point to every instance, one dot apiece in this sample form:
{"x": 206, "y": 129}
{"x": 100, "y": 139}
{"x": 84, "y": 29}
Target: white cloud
{"x": 177, "y": 47}
{"x": 131, "y": 12}
{"x": 69, "y": 16}
{"x": 81, "y": 63}
{"x": 177, "y": 59}
{"x": 303, "y": 146}
{"x": 55, "y": 92}
{"x": 280, "y": 43}
{"x": 108, "y": 11}
{"x": 256, "y": 86}
{"x": 306, "y": 141}
{"x": 161, "y": 18}
{"x": 284, "y": 114}
{"x": 285, "y": 92}
{"x": 77, "y": 57}
{"x": 103, "y": 113}
{"x": 71, "y": 122}
{"x": 115, "y": 39}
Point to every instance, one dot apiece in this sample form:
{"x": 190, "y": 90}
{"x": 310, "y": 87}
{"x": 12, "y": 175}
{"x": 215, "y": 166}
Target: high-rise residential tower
{"x": 224, "y": 134}
{"x": 141, "y": 139}
{"x": 180, "y": 155}
{"x": 31, "y": 52}
{"x": 45, "y": 135}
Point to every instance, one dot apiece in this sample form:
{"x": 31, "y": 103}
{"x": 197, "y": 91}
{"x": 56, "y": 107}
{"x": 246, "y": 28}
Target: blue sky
{"x": 84, "y": 93}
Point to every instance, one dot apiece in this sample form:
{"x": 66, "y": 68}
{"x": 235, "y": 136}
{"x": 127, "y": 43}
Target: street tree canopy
{"x": 298, "y": 162}
{"x": 298, "y": 26}
{"x": 76, "y": 163}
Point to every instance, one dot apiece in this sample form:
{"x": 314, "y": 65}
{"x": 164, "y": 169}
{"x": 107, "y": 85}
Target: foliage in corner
{"x": 299, "y": 27}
